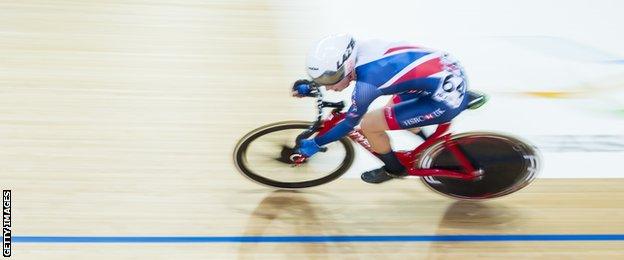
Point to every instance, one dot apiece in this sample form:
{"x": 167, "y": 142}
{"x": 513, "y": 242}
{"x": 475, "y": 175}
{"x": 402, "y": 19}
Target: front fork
{"x": 319, "y": 127}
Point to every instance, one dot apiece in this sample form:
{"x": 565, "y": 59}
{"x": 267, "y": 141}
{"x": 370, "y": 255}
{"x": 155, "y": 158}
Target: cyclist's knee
{"x": 374, "y": 122}
{"x": 367, "y": 124}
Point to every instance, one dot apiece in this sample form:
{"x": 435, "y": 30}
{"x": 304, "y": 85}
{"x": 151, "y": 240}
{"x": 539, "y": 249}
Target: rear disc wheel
{"x": 507, "y": 165}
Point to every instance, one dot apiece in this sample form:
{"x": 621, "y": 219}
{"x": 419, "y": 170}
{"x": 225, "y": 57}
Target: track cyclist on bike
{"x": 429, "y": 87}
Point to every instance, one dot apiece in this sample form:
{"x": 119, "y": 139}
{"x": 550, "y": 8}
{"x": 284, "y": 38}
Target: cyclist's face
{"x": 342, "y": 84}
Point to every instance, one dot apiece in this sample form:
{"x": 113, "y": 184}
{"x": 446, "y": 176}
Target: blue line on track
{"x": 317, "y": 239}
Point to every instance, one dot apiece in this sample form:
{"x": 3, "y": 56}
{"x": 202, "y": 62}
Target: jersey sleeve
{"x": 363, "y": 95}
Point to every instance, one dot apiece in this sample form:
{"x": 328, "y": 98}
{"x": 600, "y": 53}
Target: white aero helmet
{"x": 331, "y": 59}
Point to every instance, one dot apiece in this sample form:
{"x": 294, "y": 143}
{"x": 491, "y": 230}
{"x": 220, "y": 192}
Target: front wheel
{"x": 507, "y": 165}
{"x": 263, "y": 155}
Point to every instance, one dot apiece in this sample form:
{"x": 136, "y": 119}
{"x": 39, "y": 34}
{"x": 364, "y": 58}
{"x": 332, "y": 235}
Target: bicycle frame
{"x": 409, "y": 158}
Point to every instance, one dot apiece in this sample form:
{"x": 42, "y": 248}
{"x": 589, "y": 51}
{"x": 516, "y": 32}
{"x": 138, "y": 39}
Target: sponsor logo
{"x": 358, "y": 137}
{"x": 346, "y": 55}
{"x": 415, "y": 120}
{"x": 313, "y": 68}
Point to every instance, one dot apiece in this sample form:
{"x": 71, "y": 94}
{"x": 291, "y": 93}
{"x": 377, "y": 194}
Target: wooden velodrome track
{"x": 118, "y": 118}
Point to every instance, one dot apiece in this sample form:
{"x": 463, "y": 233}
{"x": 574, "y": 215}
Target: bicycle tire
{"x": 241, "y": 162}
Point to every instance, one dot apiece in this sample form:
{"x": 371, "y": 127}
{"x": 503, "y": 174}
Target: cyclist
{"x": 429, "y": 87}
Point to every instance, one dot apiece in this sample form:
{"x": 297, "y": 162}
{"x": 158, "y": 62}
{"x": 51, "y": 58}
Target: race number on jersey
{"x": 453, "y": 88}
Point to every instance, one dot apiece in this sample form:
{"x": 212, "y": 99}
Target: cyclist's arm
{"x": 363, "y": 95}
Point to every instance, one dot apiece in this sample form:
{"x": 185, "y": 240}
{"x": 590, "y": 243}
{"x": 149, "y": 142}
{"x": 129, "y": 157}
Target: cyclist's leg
{"x": 405, "y": 115}
{"x": 374, "y": 124}
{"x": 410, "y": 114}
{"x": 374, "y": 127}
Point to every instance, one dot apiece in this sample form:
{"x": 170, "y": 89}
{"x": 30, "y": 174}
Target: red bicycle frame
{"x": 409, "y": 158}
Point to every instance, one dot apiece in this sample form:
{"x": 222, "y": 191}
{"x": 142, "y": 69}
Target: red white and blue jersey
{"x": 392, "y": 66}
{"x": 402, "y": 69}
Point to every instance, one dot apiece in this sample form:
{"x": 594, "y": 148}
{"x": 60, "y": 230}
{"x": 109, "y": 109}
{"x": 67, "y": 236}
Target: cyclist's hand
{"x": 302, "y": 88}
{"x": 308, "y": 147}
